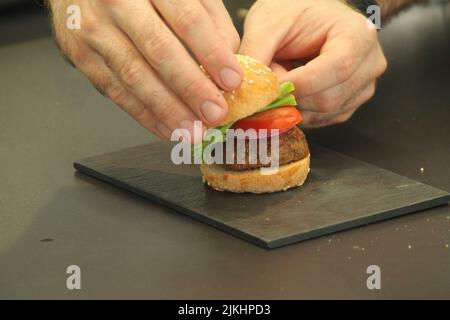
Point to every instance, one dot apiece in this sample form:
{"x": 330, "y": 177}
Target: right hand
{"x": 325, "y": 47}
{"x": 129, "y": 52}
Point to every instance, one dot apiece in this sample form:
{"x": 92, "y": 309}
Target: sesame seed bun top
{"x": 259, "y": 88}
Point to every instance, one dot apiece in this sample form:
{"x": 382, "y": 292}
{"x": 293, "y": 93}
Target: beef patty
{"x": 292, "y": 147}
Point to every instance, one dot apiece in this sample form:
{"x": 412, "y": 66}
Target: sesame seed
{"x": 251, "y": 82}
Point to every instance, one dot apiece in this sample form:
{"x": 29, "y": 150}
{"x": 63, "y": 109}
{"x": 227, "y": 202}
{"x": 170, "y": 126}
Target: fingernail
{"x": 211, "y": 112}
{"x": 164, "y": 130}
{"x": 230, "y": 78}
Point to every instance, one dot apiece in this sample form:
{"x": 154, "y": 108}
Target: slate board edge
{"x": 356, "y": 223}
{"x": 214, "y": 223}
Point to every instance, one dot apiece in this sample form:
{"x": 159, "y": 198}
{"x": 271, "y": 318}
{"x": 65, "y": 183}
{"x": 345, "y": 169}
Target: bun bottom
{"x": 288, "y": 176}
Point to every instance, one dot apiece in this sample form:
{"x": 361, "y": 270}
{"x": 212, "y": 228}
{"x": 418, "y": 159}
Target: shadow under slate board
{"x": 340, "y": 193}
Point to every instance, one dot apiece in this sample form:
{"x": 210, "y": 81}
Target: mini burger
{"x": 261, "y": 104}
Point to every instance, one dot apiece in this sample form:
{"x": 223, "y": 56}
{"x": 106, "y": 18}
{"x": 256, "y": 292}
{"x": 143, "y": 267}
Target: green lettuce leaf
{"x": 286, "y": 87}
{"x": 209, "y": 139}
{"x": 288, "y": 100}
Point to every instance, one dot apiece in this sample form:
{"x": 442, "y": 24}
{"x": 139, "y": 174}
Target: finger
{"x": 361, "y": 98}
{"x": 192, "y": 23}
{"x": 334, "y": 99}
{"x": 223, "y": 22}
{"x": 278, "y": 68}
{"x": 256, "y": 44}
{"x": 263, "y": 32}
{"x": 174, "y": 66}
{"x": 339, "y": 59}
{"x": 353, "y": 105}
{"x": 107, "y": 84}
{"x": 312, "y": 119}
{"x": 137, "y": 77}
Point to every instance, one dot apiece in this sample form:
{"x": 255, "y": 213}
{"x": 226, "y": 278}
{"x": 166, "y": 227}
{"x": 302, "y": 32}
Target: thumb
{"x": 279, "y": 69}
{"x": 260, "y": 39}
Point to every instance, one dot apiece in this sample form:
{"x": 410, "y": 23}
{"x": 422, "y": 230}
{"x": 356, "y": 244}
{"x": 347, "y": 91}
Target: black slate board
{"x": 340, "y": 193}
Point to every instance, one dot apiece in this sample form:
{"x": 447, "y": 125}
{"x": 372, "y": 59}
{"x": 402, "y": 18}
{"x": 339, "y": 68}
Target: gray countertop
{"x": 128, "y": 247}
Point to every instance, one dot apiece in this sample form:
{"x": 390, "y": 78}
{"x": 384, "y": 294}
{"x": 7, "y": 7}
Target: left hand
{"x": 325, "y": 47}
{"x": 132, "y": 51}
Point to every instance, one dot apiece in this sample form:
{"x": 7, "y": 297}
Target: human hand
{"x": 326, "y": 48}
{"x": 130, "y": 53}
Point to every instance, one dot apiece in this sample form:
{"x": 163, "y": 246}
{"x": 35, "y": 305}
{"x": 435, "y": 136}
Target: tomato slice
{"x": 279, "y": 118}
